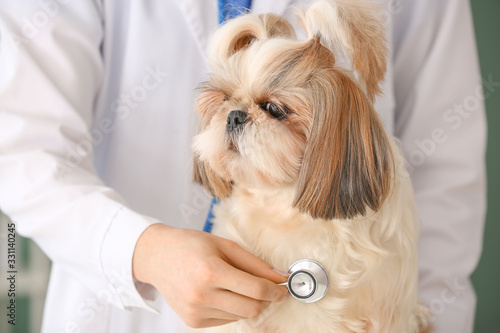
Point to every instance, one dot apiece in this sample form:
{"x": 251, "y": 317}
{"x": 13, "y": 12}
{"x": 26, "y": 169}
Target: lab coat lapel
{"x": 202, "y": 25}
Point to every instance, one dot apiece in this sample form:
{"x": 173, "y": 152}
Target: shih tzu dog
{"x": 290, "y": 143}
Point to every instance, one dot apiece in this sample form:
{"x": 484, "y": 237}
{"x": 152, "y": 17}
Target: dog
{"x": 290, "y": 143}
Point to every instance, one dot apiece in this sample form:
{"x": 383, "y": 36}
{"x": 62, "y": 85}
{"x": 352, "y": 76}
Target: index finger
{"x": 246, "y": 284}
{"x": 245, "y": 261}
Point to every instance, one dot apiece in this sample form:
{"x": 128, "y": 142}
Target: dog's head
{"x": 277, "y": 111}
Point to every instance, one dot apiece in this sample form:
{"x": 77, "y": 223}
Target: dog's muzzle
{"x": 308, "y": 281}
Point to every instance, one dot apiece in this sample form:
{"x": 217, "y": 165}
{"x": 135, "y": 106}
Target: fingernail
{"x": 281, "y": 272}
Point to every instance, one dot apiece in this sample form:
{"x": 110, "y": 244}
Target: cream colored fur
{"x": 371, "y": 261}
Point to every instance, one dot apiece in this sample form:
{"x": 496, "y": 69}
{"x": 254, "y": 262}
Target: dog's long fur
{"x": 323, "y": 182}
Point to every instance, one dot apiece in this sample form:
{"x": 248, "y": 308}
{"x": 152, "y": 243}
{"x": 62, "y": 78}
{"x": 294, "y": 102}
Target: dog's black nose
{"x": 235, "y": 119}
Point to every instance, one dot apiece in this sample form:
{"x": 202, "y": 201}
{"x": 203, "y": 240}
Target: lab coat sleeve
{"x": 440, "y": 121}
{"x": 51, "y": 70}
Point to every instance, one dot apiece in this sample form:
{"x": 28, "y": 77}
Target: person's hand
{"x": 207, "y": 280}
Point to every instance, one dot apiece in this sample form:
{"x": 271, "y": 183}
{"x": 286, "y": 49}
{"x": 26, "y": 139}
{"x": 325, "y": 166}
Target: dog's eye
{"x": 274, "y": 110}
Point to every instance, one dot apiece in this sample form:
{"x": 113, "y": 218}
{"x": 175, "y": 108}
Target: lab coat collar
{"x": 202, "y": 25}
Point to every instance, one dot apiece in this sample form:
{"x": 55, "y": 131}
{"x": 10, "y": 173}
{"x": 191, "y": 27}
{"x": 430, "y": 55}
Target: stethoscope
{"x": 308, "y": 281}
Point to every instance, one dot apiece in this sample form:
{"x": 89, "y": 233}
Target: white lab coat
{"x": 96, "y": 120}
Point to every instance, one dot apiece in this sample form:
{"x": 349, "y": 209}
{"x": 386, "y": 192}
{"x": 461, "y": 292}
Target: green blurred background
{"x": 486, "y": 279}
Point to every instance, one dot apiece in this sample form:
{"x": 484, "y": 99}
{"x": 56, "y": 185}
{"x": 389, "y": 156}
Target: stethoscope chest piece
{"x": 308, "y": 281}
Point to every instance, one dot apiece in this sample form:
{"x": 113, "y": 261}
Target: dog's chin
{"x": 232, "y": 145}
{"x": 234, "y": 166}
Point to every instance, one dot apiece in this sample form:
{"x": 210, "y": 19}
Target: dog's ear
{"x": 233, "y": 36}
{"x": 206, "y": 106}
{"x": 347, "y": 164}
{"x": 237, "y": 34}
{"x": 276, "y": 26}
{"x": 358, "y": 27}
